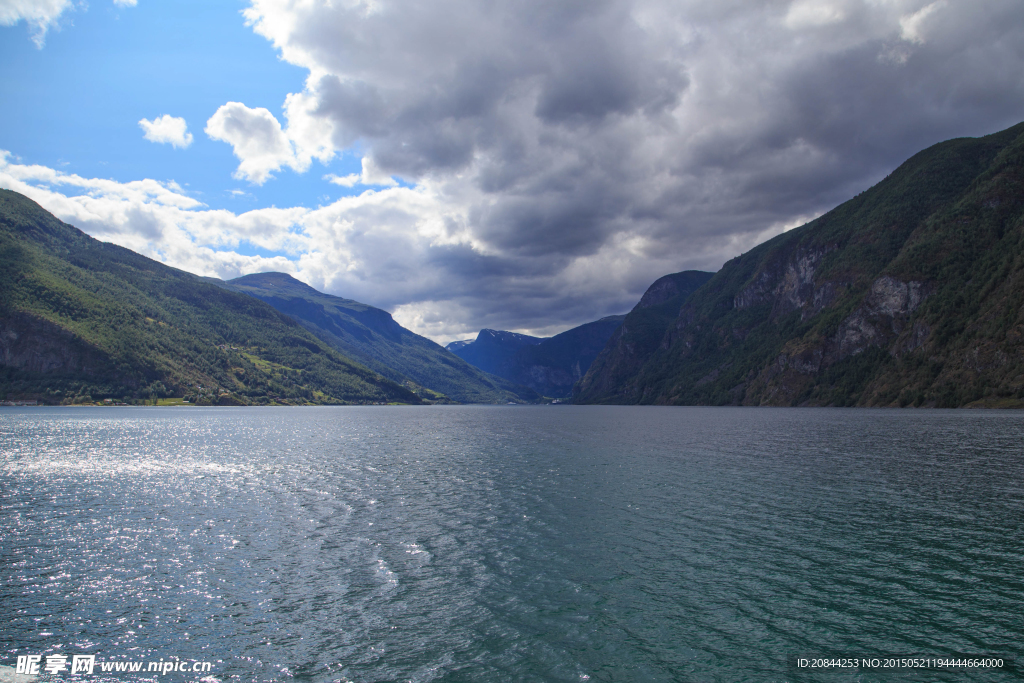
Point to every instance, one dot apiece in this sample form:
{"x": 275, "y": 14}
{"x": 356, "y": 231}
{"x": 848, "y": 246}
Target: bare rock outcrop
{"x": 881, "y": 318}
{"x": 790, "y": 284}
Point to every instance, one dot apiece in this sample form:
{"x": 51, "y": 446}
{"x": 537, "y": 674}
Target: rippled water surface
{"x": 511, "y": 543}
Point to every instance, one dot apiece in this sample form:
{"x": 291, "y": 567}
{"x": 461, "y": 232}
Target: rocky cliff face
{"x": 790, "y": 285}
{"x": 880, "y": 318}
{"x": 879, "y": 322}
{"x": 910, "y": 293}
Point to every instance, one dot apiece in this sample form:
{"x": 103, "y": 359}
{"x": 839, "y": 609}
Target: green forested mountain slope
{"x": 639, "y": 334}
{"x": 911, "y": 293}
{"x": 82, "y": 320}
{"x": 372, "y": 337}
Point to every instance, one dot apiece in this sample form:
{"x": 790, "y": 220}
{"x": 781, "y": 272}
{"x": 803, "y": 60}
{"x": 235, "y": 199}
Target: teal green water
{"x": 512, "y": 543}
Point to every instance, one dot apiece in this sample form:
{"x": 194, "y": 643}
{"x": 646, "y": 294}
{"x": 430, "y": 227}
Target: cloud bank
{"x": 556, "y": 158}
{"x": 622, "y": 139}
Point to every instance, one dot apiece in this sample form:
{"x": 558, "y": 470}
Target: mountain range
{"x": 83, "y": 320}
{"x": 371, "y": 337}
{"x": 492, "y": 349}
{"x": 911, "y": 293}
{"x": 548, "y": 365}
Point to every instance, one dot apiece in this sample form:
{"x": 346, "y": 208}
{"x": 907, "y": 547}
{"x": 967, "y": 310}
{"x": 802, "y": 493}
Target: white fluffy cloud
{"x": 40, "y": 15}
{"x": 262, "y": 145}
{"x": 257, "y": 140}
{"x": 167, "y": 129}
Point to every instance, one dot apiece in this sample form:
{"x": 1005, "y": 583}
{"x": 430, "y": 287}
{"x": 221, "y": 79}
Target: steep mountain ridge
{"x": 372, "y": 337}
{"x": 492, "y": 349}
{"x": 82, "y": 320}
{"x": 550, "y": 366}
{"x": 640, "y": 333}
{"x": 554, "y": 365}
{"x": 910, "y": 293}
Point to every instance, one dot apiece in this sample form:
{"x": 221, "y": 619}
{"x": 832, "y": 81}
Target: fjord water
{"x": 511, "y": 543}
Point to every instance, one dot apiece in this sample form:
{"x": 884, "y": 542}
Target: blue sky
{"x": 75, "y": 104}
{"x": 527, "y": 165}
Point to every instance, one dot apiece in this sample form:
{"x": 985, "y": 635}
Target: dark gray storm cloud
{"x": 593, "y": 146}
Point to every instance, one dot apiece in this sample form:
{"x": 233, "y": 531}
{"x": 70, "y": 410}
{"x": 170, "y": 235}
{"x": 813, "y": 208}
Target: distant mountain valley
{"x": 909, "y": 294}
{"x": 82, "y": 321}
{"x": 550, "y": 366}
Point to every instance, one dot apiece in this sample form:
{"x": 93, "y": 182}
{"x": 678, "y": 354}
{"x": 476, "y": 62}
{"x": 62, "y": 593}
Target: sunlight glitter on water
{"x": 476, "y": 543}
